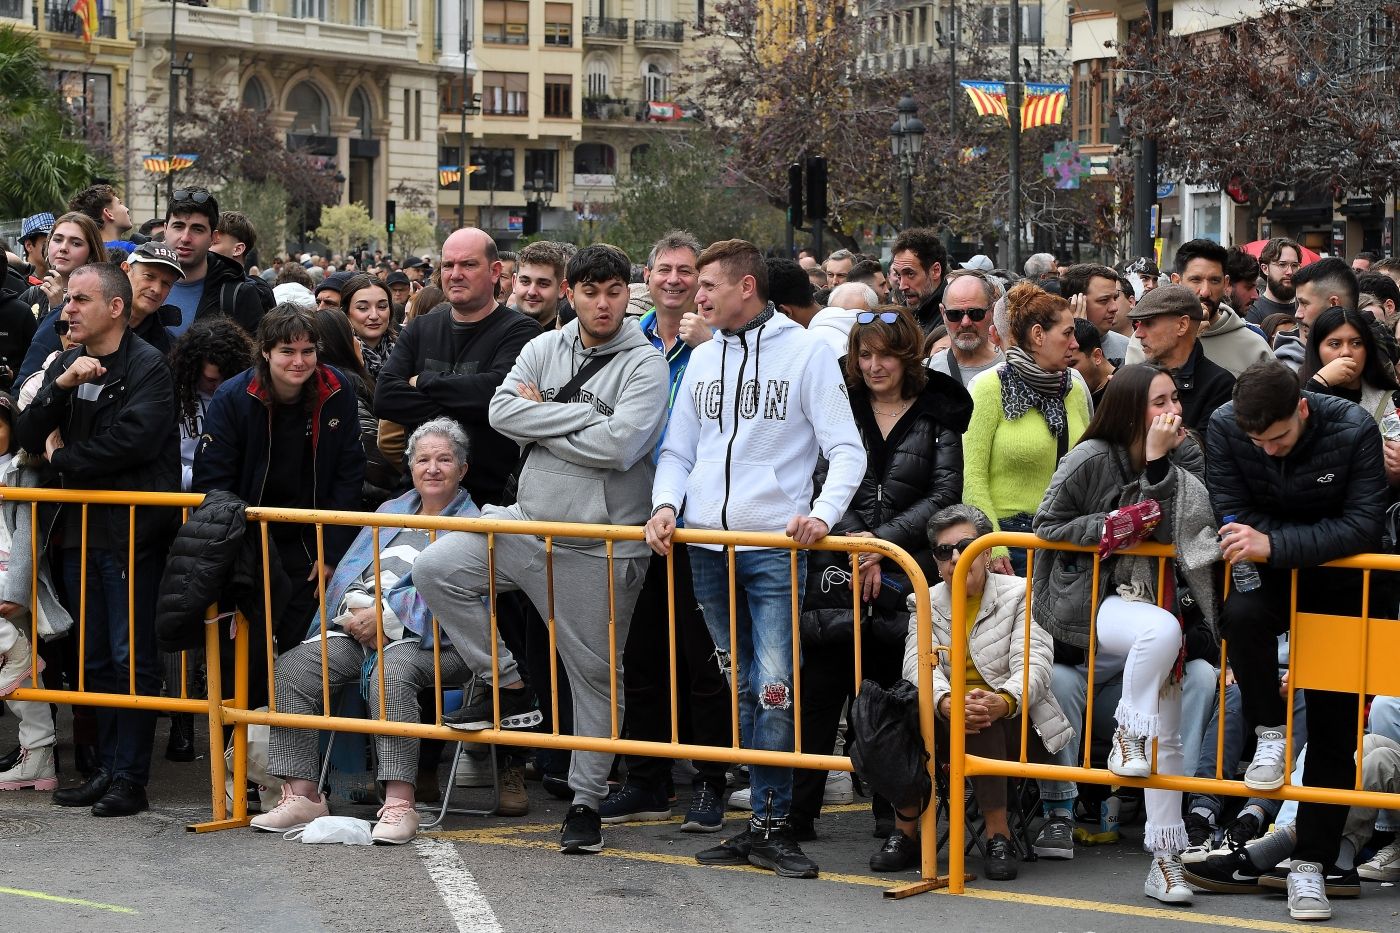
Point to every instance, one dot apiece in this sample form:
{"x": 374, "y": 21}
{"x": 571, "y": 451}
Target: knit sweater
{"x": 1007, "y": 465}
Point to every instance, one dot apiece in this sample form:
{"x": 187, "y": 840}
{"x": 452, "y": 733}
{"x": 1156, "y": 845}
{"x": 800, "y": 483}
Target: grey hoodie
{"x": 590, "y": 462}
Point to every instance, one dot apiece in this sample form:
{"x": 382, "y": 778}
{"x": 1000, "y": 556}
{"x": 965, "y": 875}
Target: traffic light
{"x": 390, "y": 215}
{"x": 816, "y": 187}
{"x": 795, "y": 194}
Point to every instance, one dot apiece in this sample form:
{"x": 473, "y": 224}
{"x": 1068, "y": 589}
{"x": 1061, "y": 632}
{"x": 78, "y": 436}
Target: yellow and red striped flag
{"x": 448, "y": 175}
{"x": 86, "y": 11}
{"x": 988, "y": 97}
{"x": 1044, "y": 104}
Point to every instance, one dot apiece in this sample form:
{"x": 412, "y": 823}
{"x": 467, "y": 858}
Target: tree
{"x": 45, "y": 159}
{"x": 1304, "y": 96}
{"x": 345, "y": 226}
{"x": 413, "y": 234}
{"x": 265, "y": 204}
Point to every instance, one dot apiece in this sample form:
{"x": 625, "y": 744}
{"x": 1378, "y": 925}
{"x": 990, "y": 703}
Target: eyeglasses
{"x": 193, "y": 196}
{"x": 954, "y": 315}
{"x": 886, "y": 317}
{"x": 1292, "y": 266}
{"x": 945, "y": 552}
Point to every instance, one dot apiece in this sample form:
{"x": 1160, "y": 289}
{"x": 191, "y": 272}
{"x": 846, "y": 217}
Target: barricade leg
{"x": 218, "y": 774}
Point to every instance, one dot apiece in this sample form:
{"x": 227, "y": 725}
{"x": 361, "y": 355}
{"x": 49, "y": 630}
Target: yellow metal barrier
{"x": 1340, "y": 653}
{"x": 235, "y": 713}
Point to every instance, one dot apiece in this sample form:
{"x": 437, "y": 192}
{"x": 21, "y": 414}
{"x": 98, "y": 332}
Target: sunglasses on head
{"x": 194, "y": 197}
{"x": 954, "y": 315}
{"x": 867, "y": 317}
{"x": 944, "y": 552}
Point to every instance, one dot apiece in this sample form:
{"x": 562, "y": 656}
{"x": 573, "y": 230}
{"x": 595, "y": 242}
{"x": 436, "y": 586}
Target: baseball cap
{"x": 157, "y": 254}
{"x": 397, "y": 278}
{"x": 979, "y": 262}
{"x": 335, "y": 280}
{"x": 36, "y": 224}
{"x": 1168, "y": 299}
{"x": 413, "y": 262}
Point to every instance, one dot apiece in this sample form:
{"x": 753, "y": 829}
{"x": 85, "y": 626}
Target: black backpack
{"x": 886, "y": 746}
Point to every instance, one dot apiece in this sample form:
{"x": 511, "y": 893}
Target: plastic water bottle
{"x": 1243, "y": 574}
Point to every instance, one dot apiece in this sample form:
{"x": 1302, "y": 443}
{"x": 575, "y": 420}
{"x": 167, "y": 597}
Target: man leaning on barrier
{"x": 587, "y": 404}
{"x": 1303, "y": 477}
{"x": 105, "y": 419}
{"x": 759, "y": 402}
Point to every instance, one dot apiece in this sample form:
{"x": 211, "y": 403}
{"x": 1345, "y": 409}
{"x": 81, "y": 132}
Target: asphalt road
{"x": 61, "y": 869}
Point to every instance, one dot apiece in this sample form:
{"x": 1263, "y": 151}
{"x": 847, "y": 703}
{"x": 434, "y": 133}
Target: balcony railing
{"x": 604, "y": 27}
{"x": 14, "y": 9}
{"x": 62, "y": 19}
{"x": 655, "y": 30}
{"x": 610, "y": 108}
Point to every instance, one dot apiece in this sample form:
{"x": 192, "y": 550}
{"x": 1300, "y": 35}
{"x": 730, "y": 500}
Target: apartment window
{"x": 88, "y": 97}
{"x": 494, "y": 169}
{"x": 559, "y": 24}
{"x": 1093, "y": 102}
{"x": 599, "y": 77}
{"x": 656, "y": 82}
{"x": 407, "y": 114}
{"x": 450, "y": 94}
{"x": 545, "y": 162}
{"x": 505, "y": 93}
{"x": 309, "y": 9}
{"x": 418, "y": 116}
{"x": 558, "y": 95}
{"x": 450, "y": 157}
{"x": 505, "y": 22}
{"x": 996, "y": 24}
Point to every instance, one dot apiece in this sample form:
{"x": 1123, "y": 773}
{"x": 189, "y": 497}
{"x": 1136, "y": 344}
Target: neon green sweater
{"x": 1007, "y": 465}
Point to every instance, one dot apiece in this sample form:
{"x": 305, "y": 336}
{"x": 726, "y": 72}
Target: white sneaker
{"x": 15, "y": 667}
{"x": 1127, "y": 757}
{"x": 398, "y": 823}
{"x": 34, "y": 770}
{"x": 1267, "y": 770}
{"x": 1383, "y": 866}
{"x": 1307, "y": 892}
{"x": 739, "y": 800}
{"x": 1166, "y": 883}
{"x": 474, "y": 766}
{"x": 839, "y": 788}
{"x": 294, "y": 812}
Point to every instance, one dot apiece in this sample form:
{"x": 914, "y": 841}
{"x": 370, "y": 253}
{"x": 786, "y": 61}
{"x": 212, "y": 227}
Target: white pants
{"x": 35, "y": 719}
{"x": 1148, "y": 639}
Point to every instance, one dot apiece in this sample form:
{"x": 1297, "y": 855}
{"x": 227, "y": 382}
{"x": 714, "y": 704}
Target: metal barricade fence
{"x": 1333, "y": 652}
{"x": 235, "y": 714}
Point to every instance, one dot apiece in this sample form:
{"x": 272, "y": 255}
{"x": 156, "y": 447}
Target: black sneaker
{"x": 733, "y": 851}
{"x": 1225, "y": 873}
{"x": 899, "y": 853}
{"x": 582, "y": 832}
{"x": 706, "y": 811}
{"x": 1200, "y": 837}
{"x": 1339, "y": 883}
{"x": 776, "y": 850}
{"x": 632, "y": 802}
{"x": 518, "y": 711}
{"x": 1245, "y": 828}
{"x": 1000, "y": 863}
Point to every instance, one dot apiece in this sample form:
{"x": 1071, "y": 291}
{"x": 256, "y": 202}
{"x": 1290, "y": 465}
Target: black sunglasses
{"x": 185, "y": 194}
{"x": 944, "y": 552}
{"x": 954, "y": 315}
{"x": 886, "y": 317}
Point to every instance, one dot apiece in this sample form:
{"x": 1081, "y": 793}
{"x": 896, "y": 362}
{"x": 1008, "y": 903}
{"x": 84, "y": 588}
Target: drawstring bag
{"x": 887, "y": 748}
{"x": 345, "y": 830}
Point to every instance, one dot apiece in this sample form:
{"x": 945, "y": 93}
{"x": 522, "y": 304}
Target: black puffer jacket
{"x": 909, "y": 476}
{"x": 1325, "y": 499}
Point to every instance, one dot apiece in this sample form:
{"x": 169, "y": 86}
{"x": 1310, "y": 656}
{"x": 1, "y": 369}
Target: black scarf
{"x": 1025, "y": 385}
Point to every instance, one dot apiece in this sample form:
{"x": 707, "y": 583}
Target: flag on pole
{"x": 86, "y": 11}
{"x": 163, "y": 164}
{"x": 1043, "y": 104}
{"x": 448, "y": 175}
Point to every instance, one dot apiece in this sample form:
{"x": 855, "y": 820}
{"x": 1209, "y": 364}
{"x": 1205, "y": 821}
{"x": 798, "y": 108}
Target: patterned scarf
{"x": 1024, "y": 385}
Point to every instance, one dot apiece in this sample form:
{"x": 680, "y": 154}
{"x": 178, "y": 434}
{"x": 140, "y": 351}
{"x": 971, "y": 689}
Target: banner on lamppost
{"x": 1042, "y": 104}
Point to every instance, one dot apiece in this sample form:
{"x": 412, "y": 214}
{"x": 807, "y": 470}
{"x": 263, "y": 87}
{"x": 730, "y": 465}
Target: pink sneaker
{"x": 398, "y": 823}
{"x": 293, "y": 812}
{"x": 34, "y": 770}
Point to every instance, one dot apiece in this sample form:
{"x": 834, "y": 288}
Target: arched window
{"x": 656, "y": 81}
{"x": 255, "y": 95}
{"x": 598, "y": 74}
{"x": 362, "y": 113}
{"x": 595, "y": 159}
{"x": 638, "y": 155}
{"x": 312, "y": 115}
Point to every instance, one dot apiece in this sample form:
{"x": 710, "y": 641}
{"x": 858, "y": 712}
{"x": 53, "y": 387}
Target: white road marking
{"x": 468, "y": 906}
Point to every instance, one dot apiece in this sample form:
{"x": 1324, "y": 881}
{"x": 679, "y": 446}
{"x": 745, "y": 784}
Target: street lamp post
{"x": 540, "y": 193}
{"x": 468, "y": 107}
{"x": 498, "y": 171}
{"x": 906, "y": 139}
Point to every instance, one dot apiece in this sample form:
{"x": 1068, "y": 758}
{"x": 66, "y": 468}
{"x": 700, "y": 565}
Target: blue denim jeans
{"x": 124, "y": 736}
{"x": 1019, "y": 522}
{"x": 764, "y": 630}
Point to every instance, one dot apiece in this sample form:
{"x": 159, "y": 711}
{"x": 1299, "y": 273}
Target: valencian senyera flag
{"x": 448, "y": 175}
{"x": 160, "y": 164}
{"x": 86, "y": 11}
{"x": 1042, "y": 104}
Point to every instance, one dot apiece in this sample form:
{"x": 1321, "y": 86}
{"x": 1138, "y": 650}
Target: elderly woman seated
{"x": 996, "y": 635}
{"x": 437, "y": 457}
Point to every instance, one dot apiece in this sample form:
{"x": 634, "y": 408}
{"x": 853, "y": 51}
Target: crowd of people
{"x": 1240, "y": 408}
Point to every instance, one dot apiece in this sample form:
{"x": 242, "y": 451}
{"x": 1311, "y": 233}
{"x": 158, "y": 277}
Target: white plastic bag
{"x": 344, "y": 830}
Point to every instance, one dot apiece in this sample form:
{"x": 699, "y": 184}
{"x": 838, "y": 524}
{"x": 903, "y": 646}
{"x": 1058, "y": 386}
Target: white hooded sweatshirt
{"x": 755, "y": 409}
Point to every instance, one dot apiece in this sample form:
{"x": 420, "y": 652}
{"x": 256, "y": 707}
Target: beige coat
{"x": 998, "y": 640}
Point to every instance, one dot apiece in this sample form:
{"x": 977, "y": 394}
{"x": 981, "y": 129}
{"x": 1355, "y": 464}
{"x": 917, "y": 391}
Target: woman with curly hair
{"x": 209, "y": 352}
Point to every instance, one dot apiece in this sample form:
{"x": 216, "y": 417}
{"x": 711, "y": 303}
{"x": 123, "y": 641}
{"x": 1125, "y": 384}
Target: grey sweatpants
{"x": 452, "y": 576}
{"x": 408, "y": 669}
{"x": 1380, "y": 770}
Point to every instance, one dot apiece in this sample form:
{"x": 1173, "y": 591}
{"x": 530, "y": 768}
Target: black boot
{"x": 181, "y": 744}
{"x": 86, "y": 760}
{"x": 85, "y": 794}
{"x": 10, "y": 760}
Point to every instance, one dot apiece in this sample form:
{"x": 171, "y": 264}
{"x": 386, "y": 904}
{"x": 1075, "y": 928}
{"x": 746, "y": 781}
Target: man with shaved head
{"x": 967, "y": 310}
{"x": 451, "y": 362}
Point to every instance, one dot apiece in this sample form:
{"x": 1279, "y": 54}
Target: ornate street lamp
{"x": 906, "y": 139}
